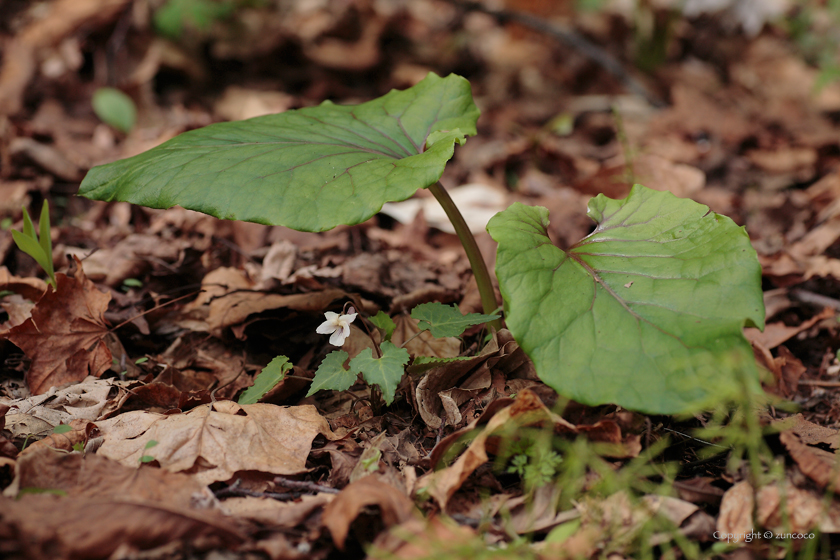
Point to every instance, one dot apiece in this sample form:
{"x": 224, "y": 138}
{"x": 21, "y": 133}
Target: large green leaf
{"x": 646, "y": 312}
{"x": 310, "y": 169}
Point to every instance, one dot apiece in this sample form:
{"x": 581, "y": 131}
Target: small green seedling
{"x": 39, "y": 248}
{"x": 115, "y": 108}
{"x": 148, "y": 458}
{"x": 646, "y": 312}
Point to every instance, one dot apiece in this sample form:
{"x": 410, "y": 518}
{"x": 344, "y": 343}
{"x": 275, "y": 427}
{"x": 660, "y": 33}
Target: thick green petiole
{"x": 479, "y": 267}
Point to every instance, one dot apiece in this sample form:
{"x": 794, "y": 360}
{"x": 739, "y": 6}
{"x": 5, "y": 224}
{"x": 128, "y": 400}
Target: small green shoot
{"x": 266, "y": 380}
{"x": 446, "y": 320}
{"x": 132, "y": 283}
{"x": 148, "y": 458}
{"x": 37, "y": 247}
{"x": 114, "y": 108}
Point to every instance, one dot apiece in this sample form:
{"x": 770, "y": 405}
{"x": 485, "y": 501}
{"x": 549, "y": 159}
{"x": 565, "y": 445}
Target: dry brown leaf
{"x": 18, "y": 309}
{"x": 130, "y": 257}
{"x": 87, "y": 400}
{"x": 777, "y": 333}
{"x": 30, "y": 288}
{"x": 64, "y": 336}
{"x": 62, "y": 18}
{"x": 814, "y": 434}
{"x": 788, "y": 509}
{"x": 80, "y": 433}
{"x": 214, "y": 441}
{"x": 274, "y": 513}
{"x": 106, "y": 505}
{"x": 55, "y": 527}
{"x": 373, "y": 490}
{"x": 736, "y": 511}
{"x": 227, "y": 299}
{"x": 817, "y": 464}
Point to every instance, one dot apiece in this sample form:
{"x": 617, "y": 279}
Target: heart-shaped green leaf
{"x": 646, "y": 312}
{"x": 386, "y": 372}
{"x": 310, "y": 169}
{"x": 331, "y": 374}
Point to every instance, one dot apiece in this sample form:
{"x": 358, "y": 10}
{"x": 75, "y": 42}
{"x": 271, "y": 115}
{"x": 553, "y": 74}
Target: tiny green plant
{"x": 148, "y": 458}
{"x": 115, "y": 108}
{"x": 37, "y": 247}
{"x": 646, "y": 312}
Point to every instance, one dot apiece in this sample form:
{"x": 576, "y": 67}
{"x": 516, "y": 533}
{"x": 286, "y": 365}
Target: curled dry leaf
{"x": 526, "y": 410}
{"x": 214, "y": 441}
{"x": 736, "y": 511}
{"x": 64, "y": 336}
{"x": 817, "y": 464}
{"x": 228, "y": 297}
{"x": 371, "y": 490}
{"x": 88, "y": 400}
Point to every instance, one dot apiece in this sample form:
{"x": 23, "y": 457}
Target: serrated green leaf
{"x": 386, "y": 372}
{"x": 331, "y": 374}
{"x": 646, "y": 312}
{"x": 266, "y": 380}
{"x": 446, "y": 320}
{"x": 310, "y": 169}
{"x": 382, "y": 321}
{"x": 115, "y": 108}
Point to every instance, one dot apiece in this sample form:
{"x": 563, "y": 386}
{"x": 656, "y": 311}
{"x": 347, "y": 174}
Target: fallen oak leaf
{"x": 64, "y": 336}
{"x": 214, "y": 441}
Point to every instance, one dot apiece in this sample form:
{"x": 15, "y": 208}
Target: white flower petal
{"x": 327, "y": 327}
{"x": 337, "y": 338}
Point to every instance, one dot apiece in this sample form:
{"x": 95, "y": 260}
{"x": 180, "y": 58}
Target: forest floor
{"x": 163, "y": 317}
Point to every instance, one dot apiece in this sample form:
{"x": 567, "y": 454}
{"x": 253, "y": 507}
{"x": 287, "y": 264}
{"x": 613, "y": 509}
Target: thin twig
{"x": 816, "y": 299}
{"x": 304, "y": 485}
{"x": 819, "y": 383}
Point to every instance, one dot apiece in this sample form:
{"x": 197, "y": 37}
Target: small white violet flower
{"x": 337, "y": 325}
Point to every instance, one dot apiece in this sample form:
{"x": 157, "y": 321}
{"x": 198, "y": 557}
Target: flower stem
{"x": 479, "y": 267}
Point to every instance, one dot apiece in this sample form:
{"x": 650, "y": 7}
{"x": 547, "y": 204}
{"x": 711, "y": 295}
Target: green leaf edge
{"x": 266, "y": 380}
{"x": 103, "y": 182}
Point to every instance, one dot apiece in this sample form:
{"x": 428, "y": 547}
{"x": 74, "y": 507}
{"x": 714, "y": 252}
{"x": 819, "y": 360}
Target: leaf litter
{"x": 760, "y": 146}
